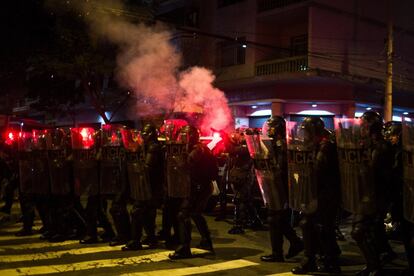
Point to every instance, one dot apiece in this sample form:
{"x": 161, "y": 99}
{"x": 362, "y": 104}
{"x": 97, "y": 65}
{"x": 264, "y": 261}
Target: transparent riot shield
{"x": 85, "y": 165}
{"x": 137, "y": 174}
{"x": 356, "y": 170}
{"x": 267, "y": 171}
{"x": 112, "y": 160}
{"x": 408, "y": 166}
{"x": 177, "y": 173}
{"x": 33, "y": 170}
{"x": 60, "y": 168}
{"x": 301, "y": 169}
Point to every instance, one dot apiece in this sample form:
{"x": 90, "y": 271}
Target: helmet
{"x": 274, "y": 126}
{"x": 372, "y": 123}
{"x": 149, "y": 133}
{"x": 392, "y": 131}
{"x": 189, "y": 134}
{"x": 313, "y": 128}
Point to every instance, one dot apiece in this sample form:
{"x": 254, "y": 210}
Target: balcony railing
{"x": 265, "y": 5}
{"x": 278, "y": 66}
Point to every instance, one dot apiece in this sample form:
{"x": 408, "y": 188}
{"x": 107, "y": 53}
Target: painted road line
{"x": 16, "y": 228}
{"x": 286, "y": 274}
{"x": 41, "y": 244}
{"x": 95, "y": 264}
{"x": 57, "y": 254}
{"x": 14, "y": 238}
{"x": 196, "y": 269}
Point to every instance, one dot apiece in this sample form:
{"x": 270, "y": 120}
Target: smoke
{"x": 197, "y": 83}
{"x": 148, "y": 63}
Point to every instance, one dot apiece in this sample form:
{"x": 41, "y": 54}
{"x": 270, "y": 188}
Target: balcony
{"x": 265, "y": 5}
{"x": 278, "y": 66}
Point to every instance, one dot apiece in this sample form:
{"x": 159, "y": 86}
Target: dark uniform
{"x": 365, "y": 164}
{"x": 177, "y": 181}
{"x": 314, "y": 191}
{"x": 405, "y": 212}
{"x": 34, "y": 180}
{"x": 112, "y": 183}
{"x": 65, "y": 219}
{"x": 200, "y": 169}
{"x": 85, "y": 150}
{"x": 145, "y": 175}
{"x": 273, "y": 179}
{"x": 241, "y": 180}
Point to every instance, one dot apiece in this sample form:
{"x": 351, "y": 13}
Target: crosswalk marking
{"x": 56, "y": 254}
{"x": 286, "y": 274}
{"x": 197, "y": 269}
{"x": 13, "y": 237}
{"x": 16, "y": 228}
{"x": 39, "y": 245}
{"x": 95, "y": 264}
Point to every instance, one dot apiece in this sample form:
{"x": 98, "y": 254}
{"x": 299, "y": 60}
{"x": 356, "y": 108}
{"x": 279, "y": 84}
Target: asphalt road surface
{"x": 234, "y": 255}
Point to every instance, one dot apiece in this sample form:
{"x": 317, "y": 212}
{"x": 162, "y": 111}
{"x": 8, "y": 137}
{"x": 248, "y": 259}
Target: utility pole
{"x": 388, "y": 84}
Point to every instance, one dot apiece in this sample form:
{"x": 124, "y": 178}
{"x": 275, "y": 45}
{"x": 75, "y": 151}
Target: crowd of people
{"x": 302, "y": 169}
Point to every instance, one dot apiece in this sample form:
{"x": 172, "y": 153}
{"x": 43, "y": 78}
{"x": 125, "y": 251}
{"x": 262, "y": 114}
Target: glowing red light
{"x": 82, "y": 138}
{"x": 10, "y": 138}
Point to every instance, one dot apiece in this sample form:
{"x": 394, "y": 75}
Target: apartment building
{"x": 299, "y": 57}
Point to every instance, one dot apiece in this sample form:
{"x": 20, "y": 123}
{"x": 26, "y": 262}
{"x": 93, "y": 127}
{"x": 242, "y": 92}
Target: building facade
{"x": 299, "y": 57}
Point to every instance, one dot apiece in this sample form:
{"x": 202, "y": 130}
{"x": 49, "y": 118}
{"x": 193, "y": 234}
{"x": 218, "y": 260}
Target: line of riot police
{"x": 69, "y": 176}
{"x": 305, "y": 167}
{"x": 298, "y": 166}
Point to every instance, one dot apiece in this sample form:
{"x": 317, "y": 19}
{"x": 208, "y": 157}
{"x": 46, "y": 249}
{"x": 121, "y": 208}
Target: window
{"x": 299, "y": 45}
{"x": 232, "y": 52}
{"x": 224, "y": 3}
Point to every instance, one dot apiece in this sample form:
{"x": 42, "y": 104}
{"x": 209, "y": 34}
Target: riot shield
{"x": 112, "y": 158}
{"x": 177, "y": 174}
{"x": 408, "y": 166}
{"x": 302, "y": 178}
{"x": 138, "y": 180}
{"x": 267, "y": 171}
{"x": 356, "y": 167}
{"x": 85, "y": 164}
{"x": 33, "y": 170}
{"x": 60, "y": 168}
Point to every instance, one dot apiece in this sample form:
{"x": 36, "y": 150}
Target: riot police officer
{"x": 403, "y": 176}
{"x": 279, "y": 213}
{"x": 314, "y": 190}
{"x": 200, "y": 168}
{"x": 34, "y": 181}
{"x": 365, "y": 164}
{"x": 146, "y": 180}
{"x": 241, "y": 180}
{"x": 85, "y": 149}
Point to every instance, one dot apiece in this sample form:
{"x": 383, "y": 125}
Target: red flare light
{"x": 10, "y": 137}
{"x": 82, "y": 138}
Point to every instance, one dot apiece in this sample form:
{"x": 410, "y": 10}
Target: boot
{"x": 132, "y": 246}
{"x": 272, "y": 258}
{"x": 307, "y": 266}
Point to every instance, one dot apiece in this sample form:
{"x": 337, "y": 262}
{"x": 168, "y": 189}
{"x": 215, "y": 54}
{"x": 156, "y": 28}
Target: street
{"x": 234, "y": 255}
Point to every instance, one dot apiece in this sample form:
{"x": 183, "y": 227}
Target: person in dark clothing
{"x": 314, "y": 190}
{"x": 278, "y": 211}
{"x": 402, "y": 177}
{"x": 146, "y": 189}
{"x": 241, "y": 179}
{"x": 366, "y": 165}
{"x": 9, "y": 176}
{"x": 201, "y": 168}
